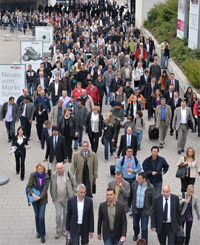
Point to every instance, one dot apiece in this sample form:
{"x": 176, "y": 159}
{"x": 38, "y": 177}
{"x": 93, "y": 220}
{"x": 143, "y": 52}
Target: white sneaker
{"x": 57, "y": 235}
{"x": 130, "y": 212}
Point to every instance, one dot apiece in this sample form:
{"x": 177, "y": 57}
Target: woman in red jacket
{"x": 77, "y": 91}
{"x": 141, "y": 51}
{"x": 93, "y": 92}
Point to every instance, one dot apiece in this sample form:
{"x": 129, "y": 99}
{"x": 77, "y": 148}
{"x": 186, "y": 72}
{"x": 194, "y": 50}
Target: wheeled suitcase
{"x": 112, "y": 167}
{"x": 180, "y": 237}
{"x": 153, "y": 132}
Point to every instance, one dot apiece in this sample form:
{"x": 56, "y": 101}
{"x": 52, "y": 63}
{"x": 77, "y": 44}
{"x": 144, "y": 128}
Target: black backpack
{"x": 141, "y": 121}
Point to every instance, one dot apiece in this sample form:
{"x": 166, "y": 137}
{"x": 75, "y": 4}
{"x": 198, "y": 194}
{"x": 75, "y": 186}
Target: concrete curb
{"x": 172, "y": 67}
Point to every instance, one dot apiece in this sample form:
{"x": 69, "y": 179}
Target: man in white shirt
{"x": 180, "y": 123}
{"x": 80, "y": 217}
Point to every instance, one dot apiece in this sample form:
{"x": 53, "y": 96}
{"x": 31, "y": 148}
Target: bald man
{"x": 166, "y": 216}
{"x": 62, "y": 187}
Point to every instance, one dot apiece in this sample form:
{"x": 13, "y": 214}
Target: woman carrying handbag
{"x": 192, "y": 168}
{"x": 40, "y": 180}
{"x": 189, "y": 205}
{"x": 19, "y": 145}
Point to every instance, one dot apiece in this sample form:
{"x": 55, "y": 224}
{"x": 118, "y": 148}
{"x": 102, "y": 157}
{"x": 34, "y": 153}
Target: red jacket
{"x": 94, "y": 93}
{"x": 76, "y": 93}
{"x": 195, "y": 108}
{"x": 138, "y": 53}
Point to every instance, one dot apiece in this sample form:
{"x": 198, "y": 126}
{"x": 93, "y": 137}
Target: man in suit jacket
{"x": 163, "y": 119}
{"x": 93, "y": 47}
{"x": 56, "y": 112}
{"x": 115, "y": 48}
{"x": 122, "y": 188}
{"x": 46, "y": 132}
{"x": 42, "y": 81}
{"x": 166, "y": 216}
{"x": 53, "y": 49}
{"x": 180, "y": 123}
{"x": 56, "y": 149}
{"x": 149, "y": 92}
{"x": 114, "y": 228}
{"x": 55, "y": 57}
{"x": 169, "y": 93}
{"x": 173, "y": 82}
{"x": 55, "y": 90}
{"x": 47, "y": 66}
{"x": 126, "y": 70}
{"x": 128, "y": 139}
{"x": 26, "y": 115}
{"x": 144, "y": 80}
{"x": 80, "y": 217}
{"x": 174, "y": 103}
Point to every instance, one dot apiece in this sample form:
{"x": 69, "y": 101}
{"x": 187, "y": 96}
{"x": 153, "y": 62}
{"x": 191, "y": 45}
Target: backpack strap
{"x": 122, "y": 161}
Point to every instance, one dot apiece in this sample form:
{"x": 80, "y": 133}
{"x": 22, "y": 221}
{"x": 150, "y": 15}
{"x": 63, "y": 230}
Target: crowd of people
{"x": 99, "y": 60}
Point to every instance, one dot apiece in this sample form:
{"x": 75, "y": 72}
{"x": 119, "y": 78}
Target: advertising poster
{"x": 194, "y": 25}
{"x": 31, "y": 52}
{"x": 44, "y": 34}
{"x": 12, "y": 81}
{"x": 182, "y": 18}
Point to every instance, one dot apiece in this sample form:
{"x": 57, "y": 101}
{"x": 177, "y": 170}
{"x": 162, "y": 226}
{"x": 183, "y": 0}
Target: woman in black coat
{"x": 133, "y": 107}
{"x": 68, "y": 128}
{"x": 100, "y": 84}
{"x": 94, "y": 126}
{"x": 40, "y": 116}
{"x": 19, "y": 144}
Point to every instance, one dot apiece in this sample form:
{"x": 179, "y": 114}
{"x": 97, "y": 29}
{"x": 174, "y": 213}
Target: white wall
{"x": 142, "y": 8}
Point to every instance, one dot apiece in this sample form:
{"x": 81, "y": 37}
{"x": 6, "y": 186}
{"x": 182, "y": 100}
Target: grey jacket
{"x": 148, "y": 198}
{"x": 118, "y": 114}
{"x": 93, "y": 50}
{"x": 80, "y": 115}
{"x": 15, "y": 111}
{"x": 123, "y": 74}
{"x": 108, "y": 78}
{"x": 30, "y": 110}
{"x": 116, "y": 63}
{"x": 195, "y": 206}
{"x": 177, "y": 117}
{"x": 71, "y": 184}
{"x": 124, "y": 192}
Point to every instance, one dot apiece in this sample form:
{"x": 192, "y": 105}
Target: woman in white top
{"x": 19, "y": 145}
{"x": 193, "y": 167}
{"x": 94, "y": 126}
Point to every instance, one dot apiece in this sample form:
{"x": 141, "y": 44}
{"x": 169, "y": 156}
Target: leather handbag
{"x": 180, "y": 237}
{"x": 94, "y": 187}
{"x": 190, "y": 124}
{"x": 182, "y": 171}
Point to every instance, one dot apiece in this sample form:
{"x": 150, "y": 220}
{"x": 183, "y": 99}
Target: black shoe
{"x": 38, "y": 236}
{"x": 149, "y": 118}
{"x": 9, "y": 140}
{"x": 28, "y": 139}
{"x": 135, "y": 237}
{"x": 194, "y": 130}
{"x": 43, "y": 239}
{"x": 17, "y": 172}
{"x": 161, "y": 146}
{"x": 22, "y": 178}
{"x": 182, "y": 150}
{"x": 75, "y": 148}
{"x": 171, "y": 133}
{"x": 176, "y": 137}
{"x": 179, "y": 152}
{"x": 106, "y": 102}
{"x": 69, "y": 161}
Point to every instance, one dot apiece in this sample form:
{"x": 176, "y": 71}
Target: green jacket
{"x": 70, "y": 184}
{"x": 131, "y": 46}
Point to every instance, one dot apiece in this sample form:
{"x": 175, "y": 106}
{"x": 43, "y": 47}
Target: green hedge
{"x": 162, "y": 21}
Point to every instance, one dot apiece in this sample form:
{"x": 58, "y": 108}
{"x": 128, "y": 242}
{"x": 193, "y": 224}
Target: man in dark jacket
{"x": 82, "y": 75}
{"x": 155, "y": 70}
{"x": 142, "y": 193}
{"x": 114, "y": 225}
{"x": 115, "y": 83}
{"x": 155, "y": 167}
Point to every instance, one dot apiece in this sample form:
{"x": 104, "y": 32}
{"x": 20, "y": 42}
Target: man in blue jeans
{"x": 155, "y": 167}
{"x": 141, "y": 190}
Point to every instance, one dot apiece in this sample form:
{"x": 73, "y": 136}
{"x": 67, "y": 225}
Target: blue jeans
{"x": 106, "y": 141}
{"x": 39, "y": 218}
{"x": 80, "y": 136}
{"x": 68, "y": 92}
{"x": 55, "y": 102}
{"x": 10, "y": 127}
{"x": 139, "y": 137}
{"x": 144, "y": 224}
{"x": 111, "y": 240}
{"x": 158, "y": 188}
{"x": 27, "y": 126}
{"x": 29, "y": 86}
{"x": 108, "y": 94}
{"x": 148, "y": 58}
{"x": 165, "y": 59}
{"x": 162, "y": 57}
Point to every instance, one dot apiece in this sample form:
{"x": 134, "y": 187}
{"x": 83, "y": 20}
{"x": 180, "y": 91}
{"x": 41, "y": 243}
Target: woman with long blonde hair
{"x": 109, "y": 127}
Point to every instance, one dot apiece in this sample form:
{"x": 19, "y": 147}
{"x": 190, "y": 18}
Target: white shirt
{"x": 168, "y": 210}
{"x": 24, "y": 111}
{"x": 170, "y": 94}
{"x": 80, "y": 206}
{"x": 129, "y": 138}
{"x": 147, "y": 45}
{"x": 134, "y": 110}
{"x": 183, "y": 116}
{"x": 56, "y": 89}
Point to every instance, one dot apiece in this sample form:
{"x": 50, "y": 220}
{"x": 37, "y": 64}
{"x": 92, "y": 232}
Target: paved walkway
{"x": 17, "y": 218}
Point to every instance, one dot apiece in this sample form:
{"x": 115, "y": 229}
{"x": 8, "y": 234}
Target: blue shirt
{"x": 45, "y": 101}
{"x": 123, "y": 168}
{"x": 140, "y": 195}
{"x": 59, "y": 113}
{"x": 162, "y": 112}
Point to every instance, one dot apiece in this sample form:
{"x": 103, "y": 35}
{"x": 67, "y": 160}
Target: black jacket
{"x": 40, "y": 118}
{"x": 149, "y": 90}
{"x": 167, "y": 95}
{"x": 129, "y": 111}
{"x": 101, "y": 88}
{"x": 171, "y": 103}
{"x": 20, "y": 148}
{"x": 51, "y": 90}
{"x": 128, "y": 91}
{"x": 120, "y": 221}
{"x": 176, "y": 84}
{"x": 88, "y": 124}
{"x": 60, "y": 151}
{"x": 81, "y": 76}
{"x": 110, "y": 132}
{"x": 142, "y": 81}
{"x": 123, "y": 145}
{"x": 114, "y": 85}
{"x": 72, "y": 125}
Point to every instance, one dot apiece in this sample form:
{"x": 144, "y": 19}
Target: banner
{"x": 44, "y": 34}
{"x": 12, "y": 81}
{"x": 31, "y": 53}
{"x": 194, "y": 25}
{"x": 182, "y": 18}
